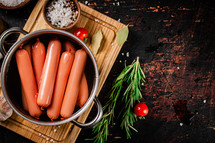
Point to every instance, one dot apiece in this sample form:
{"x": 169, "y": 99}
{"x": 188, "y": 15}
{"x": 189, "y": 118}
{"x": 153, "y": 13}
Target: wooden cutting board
{"x": 93, "y": 21}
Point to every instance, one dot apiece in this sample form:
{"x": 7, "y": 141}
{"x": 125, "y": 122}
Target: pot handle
{"x": 95, "y": 120}
{"x": 5, "y": 34}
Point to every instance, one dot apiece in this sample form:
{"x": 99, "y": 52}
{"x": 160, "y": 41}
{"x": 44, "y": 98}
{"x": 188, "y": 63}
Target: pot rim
{"x": 29, "y": 36}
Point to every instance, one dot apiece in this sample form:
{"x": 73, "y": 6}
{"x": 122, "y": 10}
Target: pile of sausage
{"x": 53, "y": 80}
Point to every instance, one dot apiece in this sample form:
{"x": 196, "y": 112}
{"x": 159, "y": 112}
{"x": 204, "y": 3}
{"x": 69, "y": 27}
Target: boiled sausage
{"x": 73, "y": 85}
{"x": 68, "y": 46}
{"x": 83, "y": 92}
{"x": 64, "y": 69}
{"x": 28, "y": 81}
{"x": 38, "y": 59}
{"x": 49, "y": 73}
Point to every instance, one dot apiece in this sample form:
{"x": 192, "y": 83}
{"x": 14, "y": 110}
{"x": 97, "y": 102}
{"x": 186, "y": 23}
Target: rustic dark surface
{"x": 175, "y": 41}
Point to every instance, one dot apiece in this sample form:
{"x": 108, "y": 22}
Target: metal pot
{"x": 10, "y": 80}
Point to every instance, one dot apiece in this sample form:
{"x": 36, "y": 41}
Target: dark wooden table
{"x": 175, "y": 41}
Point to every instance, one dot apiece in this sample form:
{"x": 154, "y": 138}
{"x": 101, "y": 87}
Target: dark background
{"x": 175, "y": 41}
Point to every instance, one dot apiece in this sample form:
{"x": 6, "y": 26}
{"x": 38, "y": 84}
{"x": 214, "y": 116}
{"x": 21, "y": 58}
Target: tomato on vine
{"x": 81, "y": 33}
{"x": 141, "y": 109}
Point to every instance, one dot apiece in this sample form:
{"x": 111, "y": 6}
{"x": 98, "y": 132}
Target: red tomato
{"x": 81, "y": 33}
{"x": 141, "y": 109}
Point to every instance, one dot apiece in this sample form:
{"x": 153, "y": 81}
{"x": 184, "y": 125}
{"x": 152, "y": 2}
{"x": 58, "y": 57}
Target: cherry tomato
{"x": 81, "y": 33}
{"x": 141, "y": 109}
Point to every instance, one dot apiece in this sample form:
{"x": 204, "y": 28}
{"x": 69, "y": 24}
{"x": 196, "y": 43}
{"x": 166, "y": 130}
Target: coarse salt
{"x": 127, "y": 54}
{"x": 60, "y": 14}
{"x": 11, "y": 2}
{"x": 96, "y": 20}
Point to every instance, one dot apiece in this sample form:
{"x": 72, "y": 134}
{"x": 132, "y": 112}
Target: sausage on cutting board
{"x": 49, "y": 73}
{"x": 28, "y": 82}
{"x": 73, "y": 85}
{"x": 38, "y": 59}
{"x": 64, "y": 69}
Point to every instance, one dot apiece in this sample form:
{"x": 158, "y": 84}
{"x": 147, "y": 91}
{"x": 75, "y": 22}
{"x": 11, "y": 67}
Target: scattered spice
{"x": 55, "y": 130}
{"x": 96, "y": 20}
{"x": 61, "y": 13}
{"x": 127, "y": 54}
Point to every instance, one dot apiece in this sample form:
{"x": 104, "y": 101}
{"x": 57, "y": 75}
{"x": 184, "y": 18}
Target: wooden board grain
{"x": 106, "y": 56}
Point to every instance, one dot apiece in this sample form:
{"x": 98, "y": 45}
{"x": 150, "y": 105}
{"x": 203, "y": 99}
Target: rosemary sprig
{"x": 131, "y": 77}
{"x": 131, "y": 96}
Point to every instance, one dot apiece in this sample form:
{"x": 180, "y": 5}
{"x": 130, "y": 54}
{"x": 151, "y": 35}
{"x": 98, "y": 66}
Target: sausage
{"x": 49, "y": 73}
{"x": 24, "y": 102}
{"x": 27, "y": 47}
{"x": 28, "y": 81}
{"x": 68, "y": 46}
{"x": 83, "y": 92}
{"x": 73, "y": 85}
{"x": 64, "y": 69}
{"x": 38, "y": 59}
